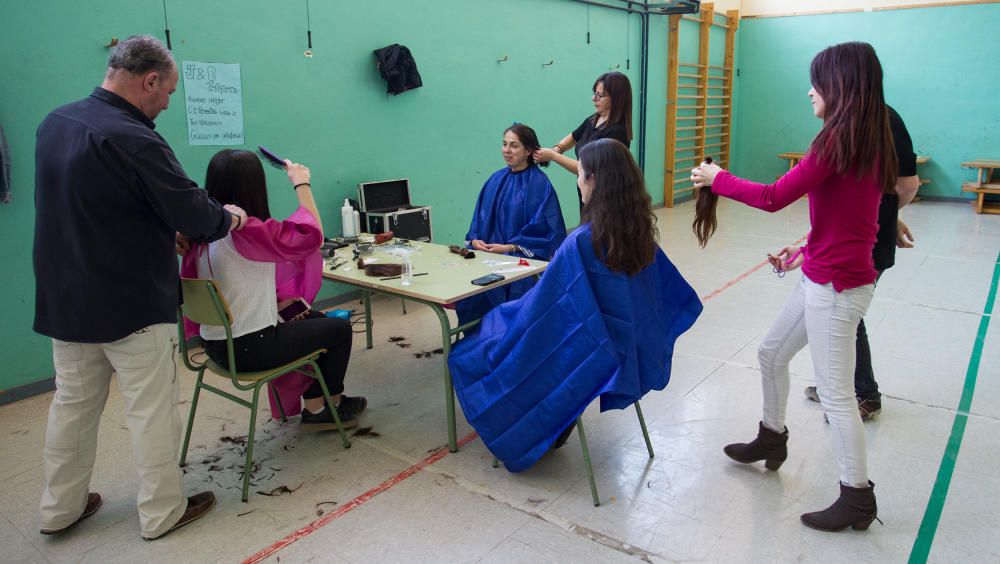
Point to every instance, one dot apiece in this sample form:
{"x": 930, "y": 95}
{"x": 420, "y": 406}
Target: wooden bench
{"x": 984, "y": 184}
{"x": 794, "y": 157}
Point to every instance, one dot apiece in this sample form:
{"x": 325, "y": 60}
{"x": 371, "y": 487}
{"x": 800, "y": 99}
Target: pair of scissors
{"x": 781, "y": 271}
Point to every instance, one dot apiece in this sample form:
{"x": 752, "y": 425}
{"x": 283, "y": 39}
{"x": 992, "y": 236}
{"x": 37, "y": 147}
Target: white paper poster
{"x": 213, "y": 94}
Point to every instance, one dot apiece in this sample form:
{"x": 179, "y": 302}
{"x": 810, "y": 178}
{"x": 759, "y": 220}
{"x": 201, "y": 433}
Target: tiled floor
{"x": 690, "y": 503}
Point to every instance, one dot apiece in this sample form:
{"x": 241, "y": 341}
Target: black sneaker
{"x": 869, "y": 408}
{"x": 812, "y": 394}
{"x": 323, "y": 421}
{"x": 564, "y": 436}
{"x": 352, "y": 405}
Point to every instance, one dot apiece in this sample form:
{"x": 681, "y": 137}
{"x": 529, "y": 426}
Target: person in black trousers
{"x": 245, "y": 268}
{"x": 891, "y": 233}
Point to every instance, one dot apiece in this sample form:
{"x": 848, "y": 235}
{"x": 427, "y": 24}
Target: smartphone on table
{"x": 488, "y": 279}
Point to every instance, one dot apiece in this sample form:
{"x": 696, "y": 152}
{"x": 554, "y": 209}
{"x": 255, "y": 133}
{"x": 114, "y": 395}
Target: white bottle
{"x": 347, "y": 219}
{"x": 357, "y": 223}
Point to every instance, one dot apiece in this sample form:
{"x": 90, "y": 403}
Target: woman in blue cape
{"x": 517, "y": 214}
{"x": 602, "y": 321}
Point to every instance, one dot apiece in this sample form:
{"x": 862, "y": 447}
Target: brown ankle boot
{"x": 854, "y": 508}
{"x": 769, "y": 446}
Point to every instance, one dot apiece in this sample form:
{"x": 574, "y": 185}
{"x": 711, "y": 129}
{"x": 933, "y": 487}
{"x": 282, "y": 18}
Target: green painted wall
{"x": 331, "y": 111}
{"x": 939, "y": 66}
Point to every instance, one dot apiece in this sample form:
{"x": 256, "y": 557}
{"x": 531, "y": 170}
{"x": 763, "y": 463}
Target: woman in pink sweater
{"x": 848, "y": 166}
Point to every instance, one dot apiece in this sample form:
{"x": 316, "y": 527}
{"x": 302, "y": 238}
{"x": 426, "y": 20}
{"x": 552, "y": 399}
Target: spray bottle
{"x": 347, "y": 219}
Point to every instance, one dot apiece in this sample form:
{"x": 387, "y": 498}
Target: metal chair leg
{"x": 331, "y": 407}
{"x": 645, "y": 433}
{"x": 190, "y": 425}
{"x": 403, "y": 301}
{"x": 248, "y": 467}
{"x": 586, "y": 461}
{"x": 277, "y": 400}
{"x": 366, "y": 297}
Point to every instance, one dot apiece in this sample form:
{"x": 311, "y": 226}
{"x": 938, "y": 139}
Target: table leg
{"x": 449, "y": 388}
{"x": 366, "y": 297}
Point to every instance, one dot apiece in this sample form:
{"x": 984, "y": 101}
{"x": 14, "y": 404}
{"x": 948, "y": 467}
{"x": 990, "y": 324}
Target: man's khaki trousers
{"x": 147, "y": 378}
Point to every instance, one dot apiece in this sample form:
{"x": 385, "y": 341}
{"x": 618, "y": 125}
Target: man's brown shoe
{"x": 93, "y": 504}
{"x": 198, "y": 505}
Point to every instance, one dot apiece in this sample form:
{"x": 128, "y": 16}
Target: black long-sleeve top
{"x": 109, "y": 197}
{"x": 884, "y": 252}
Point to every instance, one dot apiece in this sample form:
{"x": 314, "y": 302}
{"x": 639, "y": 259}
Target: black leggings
{"x": 273, "y": 346}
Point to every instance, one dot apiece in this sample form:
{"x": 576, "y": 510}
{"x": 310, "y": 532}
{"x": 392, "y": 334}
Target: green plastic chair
{"x": 586, "y": 451}
{"x": 205, "y": 304}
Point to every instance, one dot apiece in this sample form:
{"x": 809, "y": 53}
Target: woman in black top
{"x": 612, "y": 119}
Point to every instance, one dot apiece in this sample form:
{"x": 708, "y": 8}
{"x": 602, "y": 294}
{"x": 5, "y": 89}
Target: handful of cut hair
{"x": 380, "y": 269}
{"x": 465, "y": 253}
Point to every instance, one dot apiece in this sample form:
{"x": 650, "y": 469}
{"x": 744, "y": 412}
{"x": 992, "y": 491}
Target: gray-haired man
{"x": 110, "y": 198}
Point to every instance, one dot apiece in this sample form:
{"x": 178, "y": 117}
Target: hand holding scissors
{"x": 788, "y": 258}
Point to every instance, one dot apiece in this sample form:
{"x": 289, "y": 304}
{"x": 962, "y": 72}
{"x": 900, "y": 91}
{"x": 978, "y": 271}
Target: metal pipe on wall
{"x": 627, "y": 8}
{"x": 643, "y": 83}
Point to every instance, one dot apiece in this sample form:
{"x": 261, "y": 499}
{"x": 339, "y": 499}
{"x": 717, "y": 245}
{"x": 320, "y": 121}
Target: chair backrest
{"x": 204, "y": 303}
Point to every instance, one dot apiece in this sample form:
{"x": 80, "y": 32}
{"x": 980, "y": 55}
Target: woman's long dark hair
{"x": 237, "y": 177}
{"x": 856, "y": 136}
{"x": 619, "y": 210}
{"x": 619, "y": 88}
{"x": 705, "y": 220}
{"x": 528, "y": 138}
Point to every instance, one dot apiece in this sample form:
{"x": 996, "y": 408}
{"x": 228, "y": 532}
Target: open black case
{"x": 386, "y": 206}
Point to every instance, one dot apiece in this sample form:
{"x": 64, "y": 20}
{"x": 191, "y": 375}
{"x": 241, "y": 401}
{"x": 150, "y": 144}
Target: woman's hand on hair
{"x": 297, "y": 173}
{"x": 704, "y": 174}
{"x": 239, "y": 217}
{"x": 479, "y": 245}
{"x": 544, "y": 155}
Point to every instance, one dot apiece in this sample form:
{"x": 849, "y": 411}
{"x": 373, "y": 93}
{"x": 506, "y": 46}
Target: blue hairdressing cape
{"x": 583, "y": 331}
{"x": 518, "y": 208}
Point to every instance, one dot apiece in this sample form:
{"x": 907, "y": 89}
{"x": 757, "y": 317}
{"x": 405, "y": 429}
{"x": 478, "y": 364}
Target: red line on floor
{"x": 433, "y": 458}
{"x": 358, "y": 501}
{"x": 739, "y": 278}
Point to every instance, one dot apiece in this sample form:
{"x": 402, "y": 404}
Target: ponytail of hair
{"x": 705, "y": 220}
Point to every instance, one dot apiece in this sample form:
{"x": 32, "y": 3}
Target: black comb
{"x": 271, "y": 158}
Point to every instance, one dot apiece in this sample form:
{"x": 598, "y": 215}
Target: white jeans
{"x": 147, "y": 378}
{"x": 828, "y": 321}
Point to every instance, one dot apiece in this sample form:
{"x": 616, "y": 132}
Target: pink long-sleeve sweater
{"x": 843, "y": 211}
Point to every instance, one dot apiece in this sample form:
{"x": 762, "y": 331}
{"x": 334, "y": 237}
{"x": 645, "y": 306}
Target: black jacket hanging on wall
{"x": 398, "y": 68}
